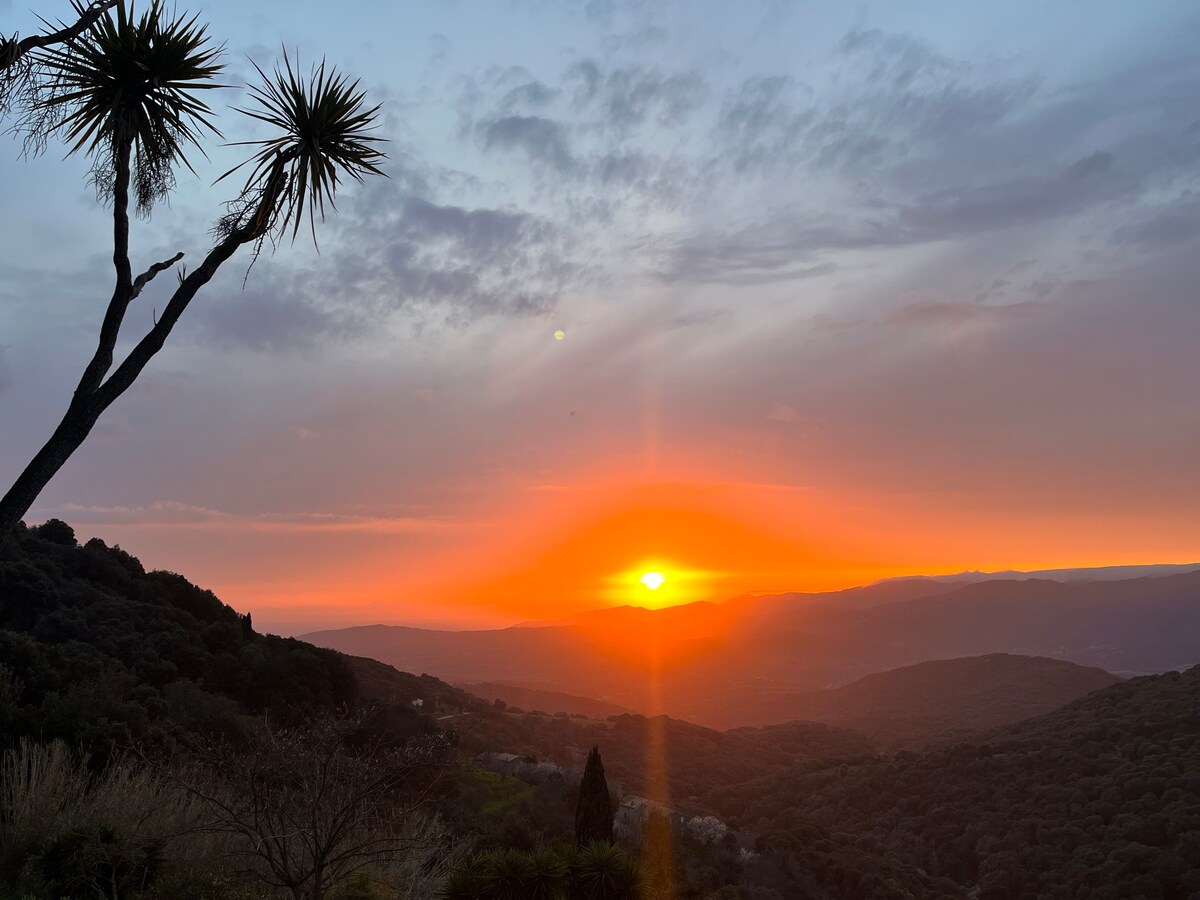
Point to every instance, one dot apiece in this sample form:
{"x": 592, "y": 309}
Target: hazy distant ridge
{"x": 731, "y": 663}
{"x": 1094, "y": 573}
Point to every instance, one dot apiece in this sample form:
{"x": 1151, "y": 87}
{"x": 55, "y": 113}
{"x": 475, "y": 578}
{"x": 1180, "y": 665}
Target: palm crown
{"x": 326, "y": 133}
{"x": 129, "y": 85}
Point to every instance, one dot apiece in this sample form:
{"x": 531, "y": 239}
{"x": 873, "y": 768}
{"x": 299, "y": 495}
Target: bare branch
{"x": 146, "y": 277}
{"x": 125, "y": 374}
{"x": 22, "y": 78}
{"x": 316, "y": 804}
{"x": 110, "y": 329}
{"x": 13, "y": 50}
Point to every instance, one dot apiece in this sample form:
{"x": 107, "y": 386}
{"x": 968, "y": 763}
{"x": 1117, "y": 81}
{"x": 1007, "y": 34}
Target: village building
{"x": 633, "y": 812}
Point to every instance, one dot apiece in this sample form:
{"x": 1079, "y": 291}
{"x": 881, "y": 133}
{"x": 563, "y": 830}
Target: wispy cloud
{"x": 542, "y": 140}
{"x": 173, "y": 514}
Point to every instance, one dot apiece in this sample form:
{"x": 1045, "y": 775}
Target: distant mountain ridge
{"x": 911, "y": 587}
{"x": 1087, "y": 573}
{"x": 728, "y": 664}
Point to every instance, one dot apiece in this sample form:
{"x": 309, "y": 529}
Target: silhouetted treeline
{"x": 93, "y": 649}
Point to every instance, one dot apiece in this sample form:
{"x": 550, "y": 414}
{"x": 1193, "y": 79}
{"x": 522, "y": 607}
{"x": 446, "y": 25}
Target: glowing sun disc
{"x": 653, "y": 580}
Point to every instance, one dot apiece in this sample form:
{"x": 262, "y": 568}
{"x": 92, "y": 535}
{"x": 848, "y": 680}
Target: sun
{"x": 655, "y": 583}
{"x": 653, "y": 580}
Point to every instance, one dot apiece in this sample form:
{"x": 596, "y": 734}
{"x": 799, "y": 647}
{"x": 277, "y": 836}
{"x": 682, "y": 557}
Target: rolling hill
{"x": 1097, "y": 798}
{"x": 97, "y": 651}
{"x": 945, "y": 699}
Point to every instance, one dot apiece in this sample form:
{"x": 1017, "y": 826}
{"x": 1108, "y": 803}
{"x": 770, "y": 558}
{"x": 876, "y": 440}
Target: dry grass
{"x": 48, "y": 789}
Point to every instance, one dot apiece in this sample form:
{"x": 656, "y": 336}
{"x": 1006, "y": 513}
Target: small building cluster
{"x": 631, "y": 812}
{"x": 514, "y": 766}
{"x": 634, "y": 811}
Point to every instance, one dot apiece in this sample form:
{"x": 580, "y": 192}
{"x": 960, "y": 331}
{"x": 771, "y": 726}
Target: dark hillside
{"x": 1100, "y": 799}
{"x": 93, "y": 649}
{"x": 549, "y": 701}
{"x": 946, "y": 698}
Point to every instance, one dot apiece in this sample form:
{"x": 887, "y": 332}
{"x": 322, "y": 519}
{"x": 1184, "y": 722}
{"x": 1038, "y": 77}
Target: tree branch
{"x": 154, "y": 339}
{"x": 146, "y": 277}
{"x": 13, "y": 50}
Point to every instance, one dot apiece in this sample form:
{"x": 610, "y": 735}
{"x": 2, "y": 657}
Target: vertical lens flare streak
{"x": 660, "y": 850}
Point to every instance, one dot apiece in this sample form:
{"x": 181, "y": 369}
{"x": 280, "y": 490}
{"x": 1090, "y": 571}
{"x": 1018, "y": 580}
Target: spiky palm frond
{"x": 325, "y": 129}
{"x": 24, "y": 84}
{"x": 131, "y": 81}
{"x": 602, "y": 871}
{"x": 17, "y": 81}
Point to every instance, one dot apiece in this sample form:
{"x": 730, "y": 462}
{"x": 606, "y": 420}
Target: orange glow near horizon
{"x": 538, "y": 552}
{"x": 701, "y": 550}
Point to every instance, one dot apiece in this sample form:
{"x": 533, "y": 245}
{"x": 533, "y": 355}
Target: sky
{"x": 846, "y": 291}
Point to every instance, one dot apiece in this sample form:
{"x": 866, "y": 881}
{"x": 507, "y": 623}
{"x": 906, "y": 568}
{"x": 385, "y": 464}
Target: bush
{"x": 96, "y": 861}
{"x": 190, "y": 886}
{"x": 56, "y": 531}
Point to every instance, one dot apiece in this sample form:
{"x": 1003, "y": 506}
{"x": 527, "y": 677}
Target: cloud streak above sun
{"x": 930, "y": 270}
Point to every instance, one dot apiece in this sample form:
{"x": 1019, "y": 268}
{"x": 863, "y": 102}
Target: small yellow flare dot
{"x": 559, "y": 335}
{"x": 653, "y": 580}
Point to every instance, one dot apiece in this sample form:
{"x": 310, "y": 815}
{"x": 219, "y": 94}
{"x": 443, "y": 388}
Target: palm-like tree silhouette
{"x": 127, "y": 91}
{"x": 324, "y": 127}
{"x": 131, "y": 87}
{"x": 602, "y": 871}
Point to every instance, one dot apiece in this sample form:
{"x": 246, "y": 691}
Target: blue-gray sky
{"x": 907, "y": 285}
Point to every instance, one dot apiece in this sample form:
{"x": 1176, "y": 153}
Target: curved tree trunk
{"x": 97, "y": 388}
{"x": 93, "y": 396}
{"x": 71, "y": 432}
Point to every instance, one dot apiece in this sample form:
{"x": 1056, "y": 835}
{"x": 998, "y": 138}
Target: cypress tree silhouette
{"x": 594, "y": 812}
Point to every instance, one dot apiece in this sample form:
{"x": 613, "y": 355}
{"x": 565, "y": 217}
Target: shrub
{"x": 96, "y": 861}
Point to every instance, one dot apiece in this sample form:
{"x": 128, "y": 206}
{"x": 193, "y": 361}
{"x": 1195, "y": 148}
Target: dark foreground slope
{"x": 96, "y": 650}
{"x": 1100, "y": 799}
